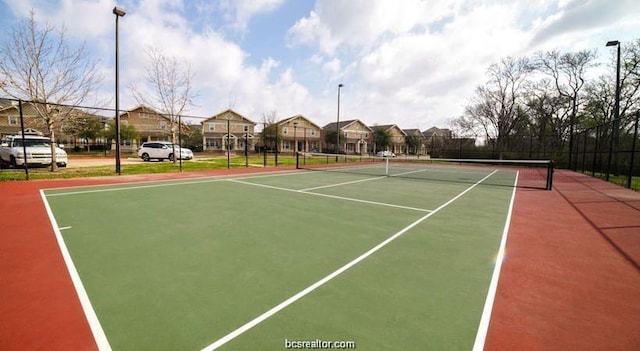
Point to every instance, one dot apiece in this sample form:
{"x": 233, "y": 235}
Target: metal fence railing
{"x": 609, "y": 151}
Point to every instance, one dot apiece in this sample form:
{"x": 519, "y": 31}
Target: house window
{"x": 163, "y": 125}
{"x": 313, "y": 131}
{"x": 245, "y": 128}
{"x": 345, "y": 134}
{"x": 286, "y": 145}
{"x": 285, "y": 130}
{"x": 213, "y": 143}
{"x": 366, "y": 135}
{"x": 212, "y": 127}
{"x": 13, "y": 120}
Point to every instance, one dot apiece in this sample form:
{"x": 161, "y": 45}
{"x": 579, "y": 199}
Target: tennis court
{"x": 376, "y": 262}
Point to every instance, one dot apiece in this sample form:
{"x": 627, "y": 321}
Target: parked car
{"x": 162, "y": 150}
{"x": 385, "y": 154}
{"x": 38, "y": 150}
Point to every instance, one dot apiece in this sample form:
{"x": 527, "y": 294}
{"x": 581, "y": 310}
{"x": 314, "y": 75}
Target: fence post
{"x": 633, "y": 150}
{"x": 595, "y": 153}
{"x": 610, "y": 155}
{"x": 584, "y": 151}
{"x": 24, "y": 145}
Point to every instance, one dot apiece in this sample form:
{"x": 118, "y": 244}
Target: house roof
{"x": 387, "y": 127}
{"x": 287, "y": 120}
{"x": 345, "y": 124}
{"x": 437, "y": 132}
{"x": 226, "y": 113}
{"x": 5, "y": 103}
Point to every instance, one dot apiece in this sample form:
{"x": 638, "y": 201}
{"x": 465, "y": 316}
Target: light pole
{"x": 295, "y": 141}
{"x": 338, "y": 124}
{"x": 119, "y": 13}
{"x": 616, "y": 116}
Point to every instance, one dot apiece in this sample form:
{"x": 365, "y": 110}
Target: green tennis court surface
{"x": 185, "y": 265}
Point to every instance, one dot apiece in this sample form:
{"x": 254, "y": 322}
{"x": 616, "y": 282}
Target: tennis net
{"x": 537, "y": 174}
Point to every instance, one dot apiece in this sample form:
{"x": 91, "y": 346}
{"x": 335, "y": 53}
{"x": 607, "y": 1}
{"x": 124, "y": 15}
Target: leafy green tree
{"x": 83, "y": 126}
{"x": 413, "y": 142}
{"x": 381, "y": 138}
{"x": 330, "y": 139}
{"x": 127, "y": 131}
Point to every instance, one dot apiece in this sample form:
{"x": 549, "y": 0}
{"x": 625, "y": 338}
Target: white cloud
{"x": 239, "y": 13}
{"x": 414, "y": 63}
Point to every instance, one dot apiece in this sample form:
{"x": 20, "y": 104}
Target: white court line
{"x": 483, "y": 328}
{"x": 163, "y": 184}
{"x": 360, "y": 181}
{"x": 92, "y": 318}
{"x": 340, "y": 184}
{"x": 64, "y": 228}
{"x": 329, "y": 277}
{"x": 329, "y": 196}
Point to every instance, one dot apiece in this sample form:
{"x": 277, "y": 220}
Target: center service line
{"x": 339, "y": 271}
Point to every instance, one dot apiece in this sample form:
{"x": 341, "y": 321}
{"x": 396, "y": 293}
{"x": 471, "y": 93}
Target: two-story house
{"x": 228, "y": 130}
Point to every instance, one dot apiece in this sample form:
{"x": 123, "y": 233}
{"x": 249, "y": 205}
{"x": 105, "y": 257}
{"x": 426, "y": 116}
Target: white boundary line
{"x": 90, "y": 314}
{"x": 329, "y": 277}
{"x": 483, "y": 328}
{"x": 161, "y": 183}
{"x": 340, "y": 184}
{"x": 180, "y": 180}
{"x": 329, "y": 196}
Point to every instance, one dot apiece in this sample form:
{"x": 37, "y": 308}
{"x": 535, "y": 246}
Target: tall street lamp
{"x": 119, "y": 13}
{"x": 616, "y": 120}
{"x": 338, "y": 124}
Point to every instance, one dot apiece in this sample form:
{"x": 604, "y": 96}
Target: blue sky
{"x": 414, "y": 63}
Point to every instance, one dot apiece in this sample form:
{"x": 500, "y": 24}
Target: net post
{"x": 550, "y": 175}
{"x": 386, "y": 167}
{"x": 297, "y": 160}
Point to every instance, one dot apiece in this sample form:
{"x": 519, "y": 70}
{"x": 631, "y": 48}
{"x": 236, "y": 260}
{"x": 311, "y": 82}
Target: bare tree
{"x": 38, "y": 64}
{"x": 269, "y": 129}
{"x": 568, "y": 73}
{"x": 496, "y": 104}
{"x": 172, "y": 93}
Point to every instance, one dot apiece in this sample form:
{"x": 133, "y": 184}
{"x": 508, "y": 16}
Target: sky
{"x": 413, "y": 63}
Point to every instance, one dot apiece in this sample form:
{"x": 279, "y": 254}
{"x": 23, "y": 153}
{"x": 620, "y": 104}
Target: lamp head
{"x": 119, "y": 12}
{"x": 613, "y": 43}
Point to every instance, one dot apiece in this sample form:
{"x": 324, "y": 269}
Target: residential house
{"x": 9, "y": 118}
{"x": 150, "y": 125}
{"x": 67, "y": 131}
{"x": 228, "y": 130}
{"x": 414, "y": 142}
{"x": 397, "y": 142}
{"x": 436, "y": 139}
{"x": 299, "y": 134}
{"x": 355, "y": 136}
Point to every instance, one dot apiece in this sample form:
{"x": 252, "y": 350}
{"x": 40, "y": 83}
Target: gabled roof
{"x": 388, "y": 127}
{"x": 224, "y": 115}
{"x": 5, "y": 103}
{"x": 143, "y": 109}
{"x": 345, "y": 125}
{"x": 287, "y": 120}
{"x": 437, "y": 132}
